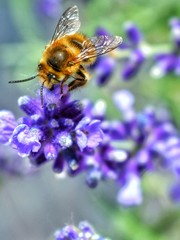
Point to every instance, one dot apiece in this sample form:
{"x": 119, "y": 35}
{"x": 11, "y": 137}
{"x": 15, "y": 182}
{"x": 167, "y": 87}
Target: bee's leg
{"x": 80, "y": 80}
{"x": 62, "y": 83}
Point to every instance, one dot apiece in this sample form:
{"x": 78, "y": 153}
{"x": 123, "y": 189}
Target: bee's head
{"x": 46, "y": 76}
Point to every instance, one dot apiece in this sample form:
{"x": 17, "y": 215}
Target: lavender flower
{"x": 169, "y": 62}
{"x": 76, "y": 137}
{"x": 84, "y": 232}
{"x": 131, "y": 147}
{"x": 58, "y": 132}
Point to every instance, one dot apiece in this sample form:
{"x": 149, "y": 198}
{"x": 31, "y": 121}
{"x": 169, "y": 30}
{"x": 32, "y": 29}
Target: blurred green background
{"x": 35, "y": 206}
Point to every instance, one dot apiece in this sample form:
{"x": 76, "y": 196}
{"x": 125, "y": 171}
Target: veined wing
{"x": 96, "y": 46}
{"x": 68, "y": 23}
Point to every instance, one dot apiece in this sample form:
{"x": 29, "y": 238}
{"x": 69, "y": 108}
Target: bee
{"x": 69, "y": 52}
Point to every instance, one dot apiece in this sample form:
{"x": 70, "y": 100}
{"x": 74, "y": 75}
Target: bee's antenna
{"x": 41, "y": 94}
{"x": 23, "y": 80}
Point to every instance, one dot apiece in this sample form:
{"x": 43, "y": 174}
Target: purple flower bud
{"x": 72, "y": 110}
{"x": 29, "y": 105}
{"x": 50, "y": 152}
{"x": 133, "y": 33}
{"x": 58, "y": 164}
{"x": 104, "y": 70}
{"x": 93, "y": 177}
{"x": 133, "y": 64}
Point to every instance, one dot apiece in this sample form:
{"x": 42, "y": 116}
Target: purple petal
{"x": 81, "y": 139}
{"x": 26, "y": 140}
{"x": 84, "y": 122}
{"x": 95, "y": 134}
{"x": 50, "y": 152}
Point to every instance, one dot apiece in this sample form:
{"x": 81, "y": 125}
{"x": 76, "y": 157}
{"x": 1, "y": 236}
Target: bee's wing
{"x": 68, "y": 23}
{"x": 96, "y": 46}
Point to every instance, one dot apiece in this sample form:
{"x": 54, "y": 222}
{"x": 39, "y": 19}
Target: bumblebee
{"x": 69, "y": 52}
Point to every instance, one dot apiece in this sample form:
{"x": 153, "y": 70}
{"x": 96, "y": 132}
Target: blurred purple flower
{"x": 49, "y": 8}
{"x": 131, "y": 147}
{"x": 136, "y": 56}
{"x": 105, "y": 65}
{"x": 134, "y": 36}
{"x": 84, "y": 231}
{"x": 13, "y": 165}
{"x": 175, "y": 192}
{"x": 169, "y": 62}
{"x": 104, "y": 69}
{"x": 133, "y": 64}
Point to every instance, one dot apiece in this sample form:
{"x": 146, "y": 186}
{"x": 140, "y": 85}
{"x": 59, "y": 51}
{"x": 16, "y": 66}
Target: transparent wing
{"x": 68, "y": 23}
{"x": 96, "y": 46}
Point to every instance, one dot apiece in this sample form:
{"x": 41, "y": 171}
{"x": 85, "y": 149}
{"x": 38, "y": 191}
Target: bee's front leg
{"x": 81, "y": 79}
{"x": 62, "y": 83}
